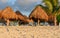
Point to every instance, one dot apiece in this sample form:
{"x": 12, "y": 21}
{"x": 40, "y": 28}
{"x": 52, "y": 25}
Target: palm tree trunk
{"x": 55, "y": 20}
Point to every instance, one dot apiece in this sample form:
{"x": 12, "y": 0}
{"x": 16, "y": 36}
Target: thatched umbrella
{"x": 7, "y": 14}
{"x": 38, "y": 13}
{"x": 22, "y": 17}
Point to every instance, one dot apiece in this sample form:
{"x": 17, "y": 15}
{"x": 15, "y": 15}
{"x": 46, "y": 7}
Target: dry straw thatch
{"x": 21, "y": 17}
{"x": 0, "y": 13}
{"x": 7, "y": 14}
{"x": 39, "y": 13}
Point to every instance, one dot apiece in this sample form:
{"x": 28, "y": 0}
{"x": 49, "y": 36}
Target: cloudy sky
{"x": 24, "y": 6}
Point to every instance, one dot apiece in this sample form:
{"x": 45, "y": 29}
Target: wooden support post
{"x": 8, "y": 22}
{"x": 38, "y": 22}
{"x": 19, "y": 23}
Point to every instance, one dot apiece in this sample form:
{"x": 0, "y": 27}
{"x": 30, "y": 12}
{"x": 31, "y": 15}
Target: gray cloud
{"x": 4, "y": 1}
{"x": 26, "y": 2}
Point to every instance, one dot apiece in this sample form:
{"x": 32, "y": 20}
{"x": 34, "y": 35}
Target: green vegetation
{"x": 58, "y": 18}
{"x": 52, "y": 7}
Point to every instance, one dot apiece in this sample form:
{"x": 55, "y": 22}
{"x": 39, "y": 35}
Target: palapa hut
{"x": 38, "y": 14}
{"x": 8, "y": 14}
{"x": 21, "y": 17}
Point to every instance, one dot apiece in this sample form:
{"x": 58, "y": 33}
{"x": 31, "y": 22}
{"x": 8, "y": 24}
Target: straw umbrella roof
{"x": 21, "y": 16}
{"x": 8, "y": 13}
{"x": 38, "y": 13}
{"x": 0, "y": 13}
{"x": 0, "y": 10}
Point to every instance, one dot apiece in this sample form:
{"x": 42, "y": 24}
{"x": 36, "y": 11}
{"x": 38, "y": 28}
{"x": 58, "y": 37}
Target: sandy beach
{"x": 29, "y": 32}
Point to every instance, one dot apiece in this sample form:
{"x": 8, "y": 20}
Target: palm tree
{"x": 53, "y": 7}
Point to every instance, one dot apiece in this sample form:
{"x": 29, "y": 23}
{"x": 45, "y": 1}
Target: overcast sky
{"x": 24, "y": 6}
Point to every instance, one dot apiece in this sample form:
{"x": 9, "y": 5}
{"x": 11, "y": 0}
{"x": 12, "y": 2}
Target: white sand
{"x": 29, "y": 32}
